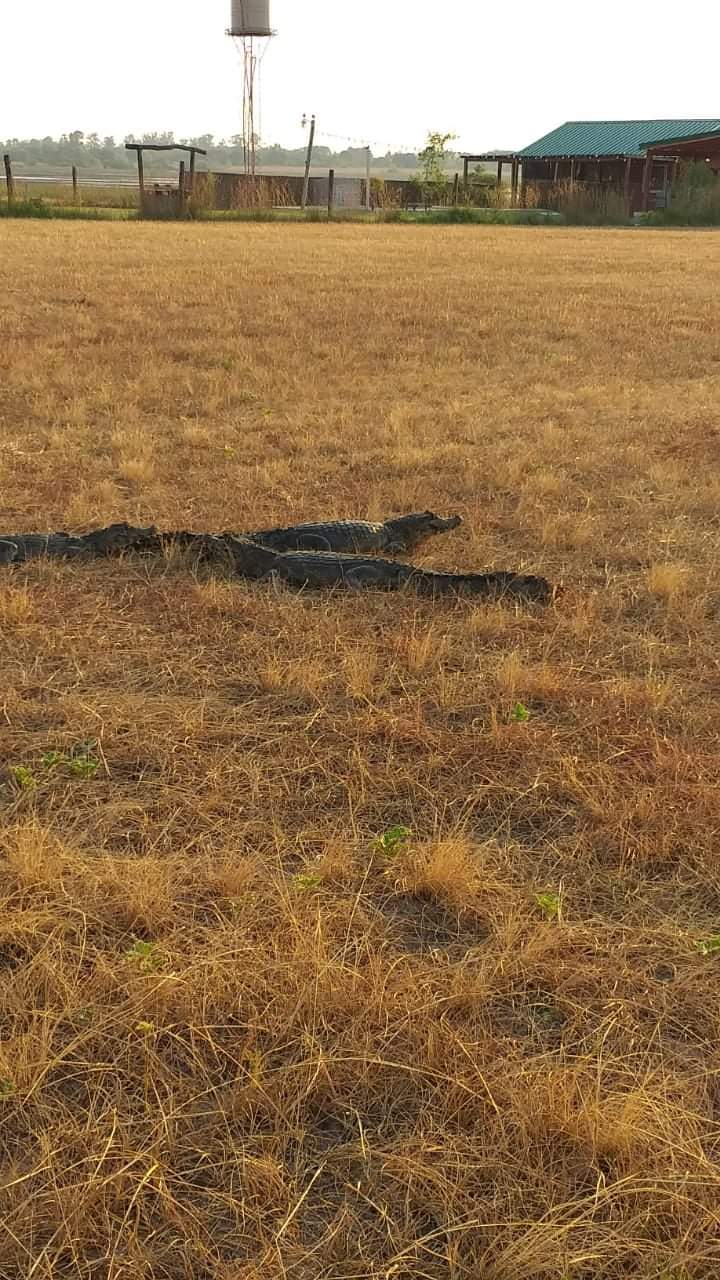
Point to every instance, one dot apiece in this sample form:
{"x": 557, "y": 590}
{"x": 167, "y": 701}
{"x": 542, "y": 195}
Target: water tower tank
{"x": 250, "y": 18}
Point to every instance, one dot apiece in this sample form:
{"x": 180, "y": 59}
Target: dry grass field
{"x": 241, "y": 1038}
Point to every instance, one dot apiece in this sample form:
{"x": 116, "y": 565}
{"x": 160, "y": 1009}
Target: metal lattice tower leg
{"x": 249, "y": 79}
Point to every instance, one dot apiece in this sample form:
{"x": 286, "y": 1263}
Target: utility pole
{"x": 368, "y": 199}
{"x": 308, "y": 161}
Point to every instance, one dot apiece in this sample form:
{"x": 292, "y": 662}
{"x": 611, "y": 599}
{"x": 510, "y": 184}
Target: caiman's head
{"x": 409, "y": 532}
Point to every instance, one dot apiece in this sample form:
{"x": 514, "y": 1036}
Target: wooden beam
{"x": 181, "y": 187}
{"x": 499, "y": 172}
{"x": 572, "y": 173}
{"x": 75, "y": 183}
{"x": 331, "y": 193}
{"x": 514, "y": 174}
{"x": 192, "y": 171}
{"x": 456, "y": 190}
{"x": 170, "y": 146}
{"x": 466, "y": 172}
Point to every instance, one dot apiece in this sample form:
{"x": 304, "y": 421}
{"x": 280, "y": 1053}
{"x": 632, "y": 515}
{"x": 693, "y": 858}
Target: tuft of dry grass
{"x": 240, "y": 1036}
{"x": 668, "y": 581}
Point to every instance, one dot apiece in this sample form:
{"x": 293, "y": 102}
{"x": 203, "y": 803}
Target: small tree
{"x": 432, "y": 177}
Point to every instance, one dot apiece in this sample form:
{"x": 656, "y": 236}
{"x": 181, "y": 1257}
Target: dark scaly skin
{"x": 249, "y": 558}
{"x": 359, "y": 537}
{"x": 17, "y": 548}
{"x": 356, "y": 537}
{"x": 495, "y": 585}
{"x": 331, "y": 569}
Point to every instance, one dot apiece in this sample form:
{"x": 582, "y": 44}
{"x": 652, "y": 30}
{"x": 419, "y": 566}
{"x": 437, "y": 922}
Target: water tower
{"x": 250, "y": 29}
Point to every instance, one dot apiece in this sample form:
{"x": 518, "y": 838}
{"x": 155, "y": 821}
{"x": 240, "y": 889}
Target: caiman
{"x": 333, "y": 569}
{"x": 290, "y": 561}
{"x": 15, "y": 548}
{"x": 359, "y": 537}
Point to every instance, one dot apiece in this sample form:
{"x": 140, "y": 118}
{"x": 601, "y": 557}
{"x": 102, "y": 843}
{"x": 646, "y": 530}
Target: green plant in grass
{"x": 519, "y": 714}
{"x": 709, "y": 946}
{"x": 306, "y": 882}
{"x": 81, "y": 761}
{"x": 23, "y": 777}
{"x": 392, "y": 841}
{"x": 550, "y": 904}
{"x": 145, "y": 955}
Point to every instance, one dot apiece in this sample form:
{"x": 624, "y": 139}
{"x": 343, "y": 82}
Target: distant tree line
{"x": 91, "y": 152}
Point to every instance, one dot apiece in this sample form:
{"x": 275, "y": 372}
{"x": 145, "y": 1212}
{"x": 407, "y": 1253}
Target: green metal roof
{"x": 615, "y": 137}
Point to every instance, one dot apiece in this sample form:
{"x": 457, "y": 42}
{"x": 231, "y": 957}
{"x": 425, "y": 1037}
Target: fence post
{"x": 331, "y": 193}
{"x": 141, "y": 174}
{"x": 181, "y": 187}
{"x": 456, "y": 189}
{"x": 9, "y": 181}
{"x": 75, "y": 183}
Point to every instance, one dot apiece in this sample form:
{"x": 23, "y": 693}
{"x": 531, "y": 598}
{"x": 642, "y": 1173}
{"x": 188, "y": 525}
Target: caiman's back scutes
{"x": 359, "y": 537}
{"x": 289, "y": 560}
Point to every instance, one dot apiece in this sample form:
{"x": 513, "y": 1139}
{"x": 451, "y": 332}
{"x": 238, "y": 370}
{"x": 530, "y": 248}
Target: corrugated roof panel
{"x": 614, "y": 137}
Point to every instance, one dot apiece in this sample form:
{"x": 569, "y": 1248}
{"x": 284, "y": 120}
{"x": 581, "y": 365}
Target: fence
{"x": 228, "y": 191}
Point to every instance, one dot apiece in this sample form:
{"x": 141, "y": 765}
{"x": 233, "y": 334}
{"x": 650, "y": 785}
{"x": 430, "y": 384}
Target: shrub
{"x": 32, "y": 208}
{"x": 695, "y": 199}
{"x": 579, "y": 203}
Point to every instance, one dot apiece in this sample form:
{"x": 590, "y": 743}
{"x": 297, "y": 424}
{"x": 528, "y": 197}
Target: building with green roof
{"x": 639, "y": 158}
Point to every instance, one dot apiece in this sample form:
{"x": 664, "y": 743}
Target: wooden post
{"x": 627, "y": 187}
{"x": 181, "y": 187}
{"x": 456, "y": 190}
{"x": 673, "y": 180}
{"x": 9, "y": 181}
{"x": 368, "y": 188}
{"x": 647, "y": 172}
{"x": 523, "y": 184}
{"x": 514, "y": 170}
{"x": 331, "y": 193}
{"x": 75, "y": 184}
{"x": 572, "y": 175}
{"x": 556, "y": 172}
{"x": 192, "y": 172}
{"x": 466, "y": 172}
{"x": 308, "y": 162}
{"x": 141, "y": 174}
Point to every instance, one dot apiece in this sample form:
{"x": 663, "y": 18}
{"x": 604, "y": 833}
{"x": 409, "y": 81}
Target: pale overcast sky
{"x": 497, "y": 74}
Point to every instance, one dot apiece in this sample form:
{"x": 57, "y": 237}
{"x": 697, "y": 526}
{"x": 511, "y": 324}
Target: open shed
{"x": 637, "y": 157}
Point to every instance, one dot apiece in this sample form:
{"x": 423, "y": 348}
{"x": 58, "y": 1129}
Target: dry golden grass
{"x": 240, "y": 1040}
